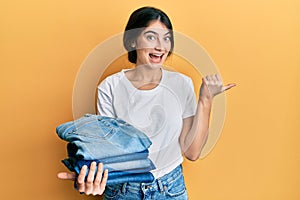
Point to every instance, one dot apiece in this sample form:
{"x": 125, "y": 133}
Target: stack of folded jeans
{"x": 122, "y": 148}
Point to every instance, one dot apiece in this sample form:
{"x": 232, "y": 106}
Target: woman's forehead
{"x": 157, "y": 27}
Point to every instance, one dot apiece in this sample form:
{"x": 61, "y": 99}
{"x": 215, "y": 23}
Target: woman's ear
{"x": 133, "y": 44}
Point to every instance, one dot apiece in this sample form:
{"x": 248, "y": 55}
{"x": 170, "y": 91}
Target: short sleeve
{"x": 190, "y": 103}
{"x": 105, "y": 99}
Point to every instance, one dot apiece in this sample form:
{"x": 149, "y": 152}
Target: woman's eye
{"x": 150, "y": 37}
{"x": 167, "y": 39}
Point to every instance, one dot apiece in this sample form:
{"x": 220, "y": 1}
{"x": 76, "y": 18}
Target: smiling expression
{"x": 153, "y": 44}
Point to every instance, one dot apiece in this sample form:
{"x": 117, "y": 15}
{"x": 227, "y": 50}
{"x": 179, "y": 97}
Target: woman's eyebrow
{"x": 155, "y": 33}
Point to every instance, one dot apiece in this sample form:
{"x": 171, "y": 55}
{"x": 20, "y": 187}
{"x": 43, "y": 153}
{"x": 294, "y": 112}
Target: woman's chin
{"x": 151, "y": 64}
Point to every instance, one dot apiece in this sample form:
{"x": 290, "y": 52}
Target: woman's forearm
{"x": 196, "y": 129}
{"x": 196, "y": 137}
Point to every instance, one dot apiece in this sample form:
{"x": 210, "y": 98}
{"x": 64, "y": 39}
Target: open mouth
{"x": 155, "y": 57}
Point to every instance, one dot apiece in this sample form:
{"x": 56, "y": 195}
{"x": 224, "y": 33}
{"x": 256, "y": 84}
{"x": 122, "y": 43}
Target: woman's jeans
{"x": 170, "y": 186}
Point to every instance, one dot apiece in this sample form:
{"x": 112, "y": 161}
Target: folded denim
{"x": 133, "y": 167}
{"x": 126, "y": 157}
{"x": 124, "y": 177}
{"x": 133, "y": 173}
{"x": 113, "y": 135}
{"x": 73, "y": 152}
{"x": 121, "y": 147}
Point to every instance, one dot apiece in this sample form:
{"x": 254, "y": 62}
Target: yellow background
{"x": 255, "y": 44}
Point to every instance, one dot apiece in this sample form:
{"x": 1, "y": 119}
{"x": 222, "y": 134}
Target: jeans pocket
{"x": 175, "y": 187}
{"x": 95, "y": 129}
{"x": 112, "y": 192}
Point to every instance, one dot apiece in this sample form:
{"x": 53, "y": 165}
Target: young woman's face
{"x": 153, "y": 44}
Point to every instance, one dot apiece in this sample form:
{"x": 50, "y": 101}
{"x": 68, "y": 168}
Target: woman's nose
{"x": 158, "y": 45}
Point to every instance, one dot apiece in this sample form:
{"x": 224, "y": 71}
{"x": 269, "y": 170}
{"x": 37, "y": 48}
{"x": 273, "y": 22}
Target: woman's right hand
{"x": 94, "y": 185}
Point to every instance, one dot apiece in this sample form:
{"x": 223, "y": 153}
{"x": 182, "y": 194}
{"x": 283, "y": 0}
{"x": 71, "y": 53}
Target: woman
{"x": 157, "y": 101}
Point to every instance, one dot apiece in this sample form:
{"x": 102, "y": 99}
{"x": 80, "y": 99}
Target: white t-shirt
{"x": 157, "y": 112}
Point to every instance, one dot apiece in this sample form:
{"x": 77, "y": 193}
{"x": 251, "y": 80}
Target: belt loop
{"x": 160, "y": 185}
{"x": 124, "y": 188}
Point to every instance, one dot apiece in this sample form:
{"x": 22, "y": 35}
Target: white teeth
{"x": 157, "y": 54}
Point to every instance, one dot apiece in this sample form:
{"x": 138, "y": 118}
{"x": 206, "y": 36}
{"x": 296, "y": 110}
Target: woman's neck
{"x": 144, "y": 73}
{"x": 145, "y": 77}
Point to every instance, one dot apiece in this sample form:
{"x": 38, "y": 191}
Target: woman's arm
{"x": 196, "y": 128}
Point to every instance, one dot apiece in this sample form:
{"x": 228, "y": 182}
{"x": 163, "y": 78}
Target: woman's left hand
{"x": 212, "y": 85}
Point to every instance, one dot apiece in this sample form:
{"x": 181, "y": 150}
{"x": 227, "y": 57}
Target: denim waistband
{"x": 157, "y": 184}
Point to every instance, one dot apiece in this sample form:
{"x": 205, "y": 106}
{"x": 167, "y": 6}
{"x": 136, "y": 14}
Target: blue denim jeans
{"x": 130, "y": 166}
{"x": 121, "y": 147}
{"x": 170, "y": 186}
{"x": 115, "y": 178}
{"x": 135, "y": 171}
{"x": 139, "y": 162}
{"x": 97, "y": 137}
